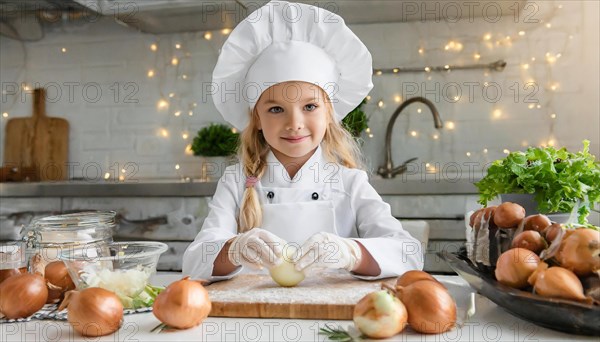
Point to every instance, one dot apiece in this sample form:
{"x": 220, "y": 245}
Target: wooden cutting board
{"x": 39, "y": 141}
{"x": 320, "y": 296}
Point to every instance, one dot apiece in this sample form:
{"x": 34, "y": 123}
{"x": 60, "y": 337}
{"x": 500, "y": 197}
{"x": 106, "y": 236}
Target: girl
{"x": 286, "y": 77}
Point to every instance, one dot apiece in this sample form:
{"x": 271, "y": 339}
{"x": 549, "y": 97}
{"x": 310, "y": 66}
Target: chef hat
{"x": 284, "y": 41}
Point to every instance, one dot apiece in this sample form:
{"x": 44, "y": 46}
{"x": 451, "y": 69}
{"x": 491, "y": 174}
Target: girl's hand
{"x": 329, "y": 251}
{"x": 256, "y": 249}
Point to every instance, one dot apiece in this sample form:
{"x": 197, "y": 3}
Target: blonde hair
{"x": 338, "y": 146}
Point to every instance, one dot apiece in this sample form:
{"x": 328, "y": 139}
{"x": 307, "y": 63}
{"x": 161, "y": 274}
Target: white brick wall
{"x": 109, "y": 130}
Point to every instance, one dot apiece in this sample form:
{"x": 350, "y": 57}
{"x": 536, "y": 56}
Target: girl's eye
{"x": 275, "y": 110}
{"x": 310, "y": 107}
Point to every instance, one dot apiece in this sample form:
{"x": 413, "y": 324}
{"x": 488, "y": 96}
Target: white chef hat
{"x": 284, "y": 41}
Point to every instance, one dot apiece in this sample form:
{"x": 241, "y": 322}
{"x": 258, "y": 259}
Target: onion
{"x": 508, "y": 215}
{"x": 93, "y": 311}
{"x": 412, "y": 276}
{"x": 183, "y": 304}
{"x": 22, "y": 295}
{"x": 58, "y": 280}
{"x": 380, "y": 315}
{"x": 579, "y": 251}
{"x": 557, "y": 282}
{"x": 431, "y": 309}
{"x": 514, "y": 267}
{"x": 481, "y": 216}
{"x": 531, "y": 240}
{"x": 9, "y": 272}
{"x": 537, "y": 222}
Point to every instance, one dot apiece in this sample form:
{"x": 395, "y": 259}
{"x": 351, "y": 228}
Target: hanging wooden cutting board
{"x": 324, "y": 296}
{"x": 39, "y": 141}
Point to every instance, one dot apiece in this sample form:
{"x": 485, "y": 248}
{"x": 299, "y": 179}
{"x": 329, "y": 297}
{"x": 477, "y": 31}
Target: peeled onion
{"x": 22, "y": 295}
{"x": 557, "y": 282}
{"x": 93, "y": 311}
{"x": 285, "y": 273}
{"x": 412, "y": 276}
{"x": 579, "y": 251}
{"x": 380, "y": 315}
{"x": 58, "y": 280}
{"x": 531, "y": 240}
{"x": 430, "y": 307}
{"x": 537, "y": 222}
{"x": 514, "y": 267}
{"x": 183, "y": 304}
{"x": 508, "y": 215}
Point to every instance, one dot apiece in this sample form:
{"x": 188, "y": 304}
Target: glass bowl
{"x": 121, "y": 267}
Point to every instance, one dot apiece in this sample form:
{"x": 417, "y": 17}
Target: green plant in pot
{"x": 216, "y": 140}
{"x": 560, "y": 181}
{"x": 356, "y": 121}
{"x": 216, "y": 143}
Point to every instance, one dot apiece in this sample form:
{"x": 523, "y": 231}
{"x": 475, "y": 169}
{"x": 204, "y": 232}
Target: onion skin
{"x": 579, "y": 251}
{"x": 22, "y": 295}
{"x": 93, "y": 311}
{"x": 380, "y": 315}
{"x": 557, "y": 282}
{"x": 508, "y": 215}
{"x": 183, "y": 304}
{"x": 412, "y": 276}
{"x": 58, "y": 279}
{"x": 431, "y": 309}
{"x": 537, "y": 222}
{"x": 483, "y": 215}
{"x": 514, "y": 267}
{"x": 531, "y": 240}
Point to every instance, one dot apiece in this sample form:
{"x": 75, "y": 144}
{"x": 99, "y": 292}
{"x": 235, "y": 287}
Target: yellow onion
{"x": 431, "y": 309}
{"x": 557, "y": 282}
{"x": 412, "y": 276}
{"x": 537, "y": 222}
{"x": 58, "y": 280}
{"x": 508, "y": 215}
{"x": 183, "y": 304}
{"x": 93, "y": 311}
{"x": 9, "y": 272}
{"x": 380, "y": 315}
{"x": 579, "y": 251}
{"x": 514, "y": 267}
{"x": 531, "y": 240}
{"x": 22, "y": 295}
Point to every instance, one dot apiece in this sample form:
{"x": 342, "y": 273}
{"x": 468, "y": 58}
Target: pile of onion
{"x": 93, "y": 311}
{"x": 430, "y": 308}
{"x": 183, "y": 304}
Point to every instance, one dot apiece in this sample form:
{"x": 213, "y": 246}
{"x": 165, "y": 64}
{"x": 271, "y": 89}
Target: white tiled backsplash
{"x": 123, "y": 128}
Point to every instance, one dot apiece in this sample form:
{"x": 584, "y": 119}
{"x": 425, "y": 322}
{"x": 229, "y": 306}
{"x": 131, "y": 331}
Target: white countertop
{"x": 490, "y": 323}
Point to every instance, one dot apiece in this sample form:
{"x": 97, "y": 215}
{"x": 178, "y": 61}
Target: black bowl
{"x": 557, "y": 314}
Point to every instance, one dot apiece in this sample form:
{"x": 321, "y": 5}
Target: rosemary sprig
{"x": 337, "y": 334}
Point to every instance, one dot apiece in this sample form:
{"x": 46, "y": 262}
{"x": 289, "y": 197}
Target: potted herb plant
{"x": 558, "y": 180}
{"x": 216, "y": 144}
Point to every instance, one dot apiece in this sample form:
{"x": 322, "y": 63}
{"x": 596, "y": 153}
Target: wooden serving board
{"x": 319, "y": 296}
{"x": 39, "y": 142}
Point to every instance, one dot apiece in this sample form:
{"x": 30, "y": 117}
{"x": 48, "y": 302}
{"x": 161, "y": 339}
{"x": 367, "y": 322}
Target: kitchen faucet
{"x": 388, "y": 170}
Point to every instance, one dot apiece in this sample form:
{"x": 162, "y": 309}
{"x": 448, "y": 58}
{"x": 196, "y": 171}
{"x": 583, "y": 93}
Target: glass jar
{"x": 84, "y": 233}
{"x": 12, "y": 259}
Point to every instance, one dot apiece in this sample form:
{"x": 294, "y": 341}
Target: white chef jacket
{"x": 360, "y": 214}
